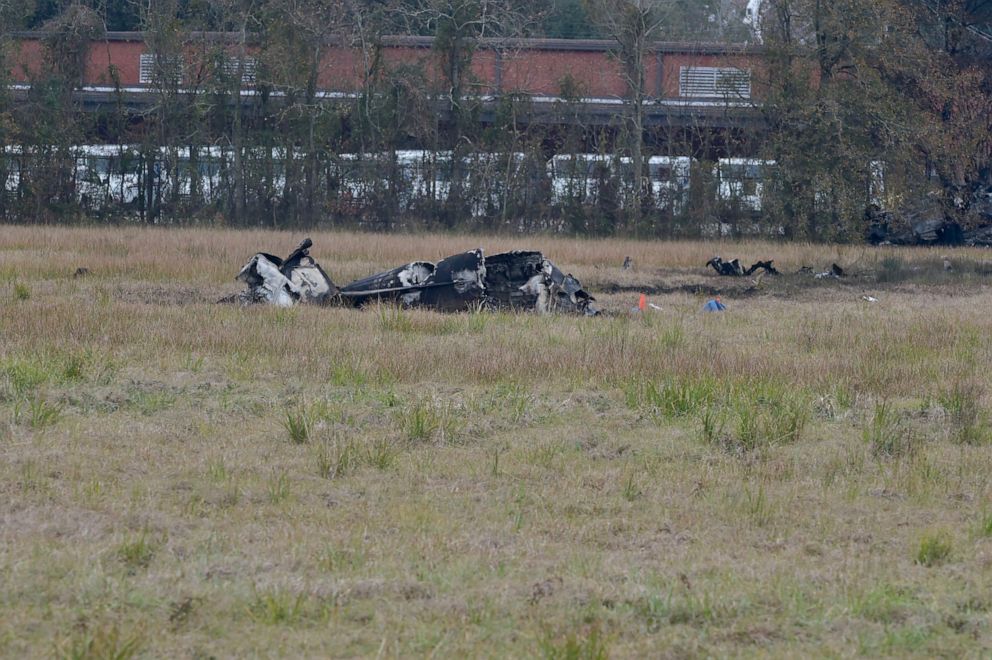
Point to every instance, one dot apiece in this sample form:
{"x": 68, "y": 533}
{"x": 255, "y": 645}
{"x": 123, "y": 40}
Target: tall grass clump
{"x": 887, "y": 435}
{"x": 510, "y": 401}
{"x": 21, "y": 291}
{"x": 755, "y": 417}
{"x": 277, "y": 608}
{"x": 584, "y": 645}
{"x": 298, "y": 424}
{"x": 301, "y": 422}
{"x": 336, "y": 457}
{"x": 429, "y": 419}
{"x": 934, "y": 549}
{"x": 962, "y": 403}
{"x": 278, "y": 488}
{"x": 676, "y": 397}
{"x": 42, "y": 414}
{"x": 136, "y": 552}
{"x": 985, "y": 524}
{"x": 26, "y": 373}
{"x": 393, "y": 318}
{"x": 104, "y": 642}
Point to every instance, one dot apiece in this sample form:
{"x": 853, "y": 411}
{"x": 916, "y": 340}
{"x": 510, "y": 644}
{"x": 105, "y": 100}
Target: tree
{"x": 12, "y": 17}
{"x": 459, "y": 27}
{"x": 634, "y": 25}
{"x": 854, "y": 87}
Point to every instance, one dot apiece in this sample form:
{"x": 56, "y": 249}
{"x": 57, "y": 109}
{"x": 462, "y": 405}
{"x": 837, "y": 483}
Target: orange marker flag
{"x": 642, "y": 303}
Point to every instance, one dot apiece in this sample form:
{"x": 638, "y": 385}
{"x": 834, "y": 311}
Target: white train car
{"x": 741, "y": 181}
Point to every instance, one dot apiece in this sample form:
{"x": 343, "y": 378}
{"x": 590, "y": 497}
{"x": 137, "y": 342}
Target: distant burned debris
{"x": 835, "y": 272}
{"x": 734, "y": 268}
{"x": 518, "y": 280}
{"x": 280, "y": 282}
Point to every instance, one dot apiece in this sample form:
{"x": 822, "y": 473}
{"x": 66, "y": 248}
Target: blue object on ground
{"x": 714, "y": 306}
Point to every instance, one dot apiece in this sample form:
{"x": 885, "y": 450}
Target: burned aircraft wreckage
{"x": 518, "y": 280}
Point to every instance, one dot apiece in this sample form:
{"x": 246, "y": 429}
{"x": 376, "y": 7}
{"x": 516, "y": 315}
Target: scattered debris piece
{"x": 628, "y": 263}
{"x": 568, "y": 294}
{"x": 766, "y": 266}
{"x": 298, "y": 278}
{"x": 80, "y": 272}
{"x": 734, "y": 268}
{"x": 510, "y": 280}
{"x": 947, "y": 264}
{"x": 714, "y": 305}
{"x": 835, "y": 272}
{"x": 727, "y": 268}
{"x": 871, "y": 299}
{"x": 653, "y": 306}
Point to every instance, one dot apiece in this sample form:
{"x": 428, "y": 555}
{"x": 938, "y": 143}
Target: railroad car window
{"x": 159, "y": 69}
{"x": 714, "y": 82}
{"x": 248, "y": 73}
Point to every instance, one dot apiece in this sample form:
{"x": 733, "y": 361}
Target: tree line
{"x": 883, "y": 104}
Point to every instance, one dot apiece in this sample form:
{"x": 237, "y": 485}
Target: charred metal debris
{"x": 518, "y": 280}
{"x": 734, "y": 267}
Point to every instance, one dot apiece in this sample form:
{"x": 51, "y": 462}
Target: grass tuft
{"x": 887, "y": 435}
{"x": 672, "y": 398}
{"x": 298, "y": 424}
{"x": 985, "y": 525}
{"x": 336, "y": 457}
{"x": 136, "y": 552}
{"x": 934, "y": 549}
{"x": 631, "y": 489}
{"x": 381, "y": 453}
{"x": 21, "y": 291}
{"x": 753, "y": 419}
{"x": 587, "y": 644}
{"x": 278, "y": 488}
{"x": 429, "y": 420}
{"x": 106, "y": 643}
{"x": 42, "y": 414}
{"x": 276, "y": 607}
{"x": 963, "y": 404}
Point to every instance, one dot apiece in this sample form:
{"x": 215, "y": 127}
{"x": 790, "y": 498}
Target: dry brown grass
{"x": 489, "y": 484}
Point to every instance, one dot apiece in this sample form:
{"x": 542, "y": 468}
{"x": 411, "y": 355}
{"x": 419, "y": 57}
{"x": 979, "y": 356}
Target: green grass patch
{"x": 934, "y": 549}
{"x": 888, "y": 435}
{"x": 585, "y": 644}
{"x": 676, "y": 397}
{"x": 104, "y": 643}
{"x": 136, "y": 551}
{"x": 21, "y": 291}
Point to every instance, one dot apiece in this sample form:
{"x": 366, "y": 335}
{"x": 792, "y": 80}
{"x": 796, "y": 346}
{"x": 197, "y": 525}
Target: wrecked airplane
{"x": 280, "y": 282}
{"x": 518, "y": 280}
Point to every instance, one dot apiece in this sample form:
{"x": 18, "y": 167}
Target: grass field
{"x": 805, "y": 474}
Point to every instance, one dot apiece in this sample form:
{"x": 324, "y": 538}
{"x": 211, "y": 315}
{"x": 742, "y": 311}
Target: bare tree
{"x": 459, "y": 27}
{"x": 633, "y": 25}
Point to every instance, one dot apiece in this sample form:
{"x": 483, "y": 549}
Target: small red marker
{"x": 642, "y": 303}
